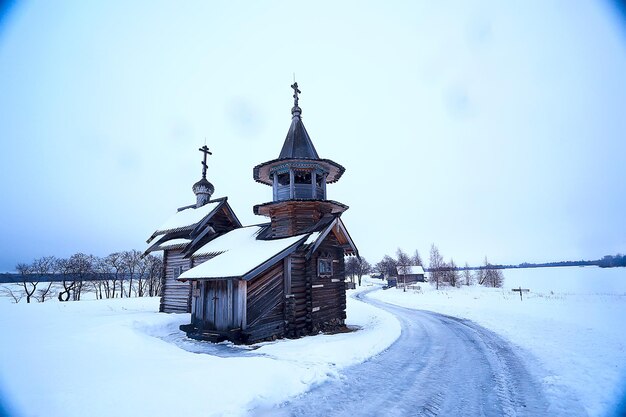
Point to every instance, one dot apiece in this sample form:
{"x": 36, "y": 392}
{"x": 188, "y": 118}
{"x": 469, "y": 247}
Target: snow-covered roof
{"x": 172, "y": 243}
{"x": 238, "y": 252}
{"x": 410, "y": 270}
{"x": 187, "y": 218}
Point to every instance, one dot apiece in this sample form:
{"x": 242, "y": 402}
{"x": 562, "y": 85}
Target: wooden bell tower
{"x": 298, "y": 178}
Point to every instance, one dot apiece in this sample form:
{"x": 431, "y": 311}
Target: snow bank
{"x": 572, "y": 324}
{"x": 106, "y": 357}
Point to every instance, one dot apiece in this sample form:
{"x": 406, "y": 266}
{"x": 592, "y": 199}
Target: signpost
{"x": 521, "y": 290}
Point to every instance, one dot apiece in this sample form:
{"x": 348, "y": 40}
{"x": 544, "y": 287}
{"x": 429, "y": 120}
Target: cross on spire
{"x": 295, "y": 93}
{"x": 205, "y": 151}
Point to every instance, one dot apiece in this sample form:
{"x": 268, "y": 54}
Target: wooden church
{"x": 282, "y": 278}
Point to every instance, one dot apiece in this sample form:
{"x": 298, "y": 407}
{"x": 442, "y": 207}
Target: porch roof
{"x": 240, "y": 254}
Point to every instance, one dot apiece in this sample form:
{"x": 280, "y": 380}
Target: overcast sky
{"x": 491, "y": 129}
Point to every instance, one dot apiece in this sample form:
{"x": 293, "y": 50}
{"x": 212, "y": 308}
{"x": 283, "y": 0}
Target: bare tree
{"x": 155, "y": 274}
{"x": 114, "y": 261}
{"x": 63, "y": 266}
{"x": 81, "y": 265}
{"x": 27, "y": 281}
{"x": 387, "y": 266}
{"x": 467, "y": 275}
{"x": 416, "y": 259}
{"x": 130, "y": 264}
{"x": 363, "y": 267}
{"x": 436, "y": 264}
{"x": 452, "y": 274}
{"x": 492, "y": 277}
{"x": 351, "y": 266}
{"x": 404, "y": 265}
{"x": 7, "y": 291}
{"x": 45, "y": 265}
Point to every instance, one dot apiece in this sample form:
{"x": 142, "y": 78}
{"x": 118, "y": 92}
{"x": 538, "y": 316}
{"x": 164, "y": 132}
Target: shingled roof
{"x": 298, "y": 144}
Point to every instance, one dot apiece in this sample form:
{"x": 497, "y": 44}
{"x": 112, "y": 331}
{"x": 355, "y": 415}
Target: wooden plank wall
{"x": 176, "y": 296}
{"x": 265, "y": 305}
{"x": 328, "y": 293}
{"x": 291, "y": 219}
{"x": 300, "y": 319}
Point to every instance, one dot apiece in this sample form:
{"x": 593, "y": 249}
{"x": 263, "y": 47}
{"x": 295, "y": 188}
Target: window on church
{"x": 302, "y": 177}
{"x": 177, "y": 271}
{"x": 283, "y": 179}
{"x": 318, "y": 179}
{"x": 324, "y": 267}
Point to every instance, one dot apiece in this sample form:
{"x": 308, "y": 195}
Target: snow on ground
{"x": 105, "y": 357}
{"x": 573, "y": 322}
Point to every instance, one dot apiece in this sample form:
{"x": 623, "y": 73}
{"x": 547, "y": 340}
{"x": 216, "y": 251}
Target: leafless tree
{"x": 27, "y": 282}
{"x": 81, "y": 265}
{"x": 492, "y": 277}
{"x": 404, "y": 265}
{"x": 387, "y": 266}
{"x": 416, "y": 259}
{"x": 116, "y": 269}
{"x": 452, "y": 274}
{"x": 467, "y": 275}
{"x": 130, "y": 264}
{"x": 63, "y": 266}
{"x": 362, "y": 268}
{"x": 15, "y": 294}
{"x": 155, "y": 274}
{"x": 436, "y": 264}
{"x": 44, "y": 265}
{"x": 351, "y": 266}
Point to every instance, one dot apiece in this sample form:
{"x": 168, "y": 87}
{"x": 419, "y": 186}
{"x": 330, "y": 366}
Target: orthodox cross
{"x": 295, "y": 93}
{"x": 205, "y": 151}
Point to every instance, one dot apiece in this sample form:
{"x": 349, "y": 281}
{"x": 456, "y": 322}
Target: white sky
{"x": 488, "y": 128}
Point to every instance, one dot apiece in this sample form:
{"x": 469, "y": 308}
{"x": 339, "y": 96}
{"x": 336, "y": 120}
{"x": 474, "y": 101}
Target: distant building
{"x": 284, "y": 278}
{"x": 410, "y": 274}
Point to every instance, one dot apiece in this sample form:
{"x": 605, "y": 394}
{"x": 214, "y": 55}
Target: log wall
{"x": 265, "y": 305}
{"x": 176, "y": 295}
{"x": 328, "y": 293}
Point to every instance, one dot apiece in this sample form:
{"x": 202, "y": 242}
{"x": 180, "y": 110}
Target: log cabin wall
{"x": 265, "y": 305}
{"x": 292, "y": 218}
{"x": 298, "y": 307}
{"x": 176, "y": 297}
{"x": 328, "y": 292}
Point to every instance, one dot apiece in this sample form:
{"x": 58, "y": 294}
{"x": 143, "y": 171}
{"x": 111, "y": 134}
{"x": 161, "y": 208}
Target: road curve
{"x": 439, "y": 366}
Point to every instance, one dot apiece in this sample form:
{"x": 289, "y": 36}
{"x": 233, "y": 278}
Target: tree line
{"x": 441, "y": 272}
{"x": 118, "y": 275}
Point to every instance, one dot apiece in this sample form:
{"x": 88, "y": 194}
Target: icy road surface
{"x": 440, "y": 366}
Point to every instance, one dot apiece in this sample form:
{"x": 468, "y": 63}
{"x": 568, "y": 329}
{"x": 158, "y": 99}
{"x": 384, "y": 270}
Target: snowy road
{"x": 440, "y": 366}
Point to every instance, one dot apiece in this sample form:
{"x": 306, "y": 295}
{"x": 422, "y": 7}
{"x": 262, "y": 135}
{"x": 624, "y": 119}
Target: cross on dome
{"x": 295, "y": 94}
{"x": 205, "y": 151}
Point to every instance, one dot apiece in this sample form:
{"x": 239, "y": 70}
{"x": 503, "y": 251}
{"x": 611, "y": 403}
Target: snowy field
{"x": 122, "y": 358}
{"x": 572, "y": 325}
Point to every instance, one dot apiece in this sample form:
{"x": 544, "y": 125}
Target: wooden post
{"x": 275, "y": 186}
{"x": 520, "y": 290}
{"x": 313, "y": 184}
{"x": 291, "y": 184}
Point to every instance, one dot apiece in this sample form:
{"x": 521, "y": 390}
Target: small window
{"x": 324, "y": 267}
{"x": 302, "y": 177}
{"x": 283, "y": 179}
{"x": 177, "y": 271}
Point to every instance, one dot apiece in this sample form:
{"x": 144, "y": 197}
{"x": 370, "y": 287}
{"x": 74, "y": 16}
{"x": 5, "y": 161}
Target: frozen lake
{"x": 568, "y": 279}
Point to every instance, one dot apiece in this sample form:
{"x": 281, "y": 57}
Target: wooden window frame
{"x": 320, "y": 261}
{"x": 178, "y": 270}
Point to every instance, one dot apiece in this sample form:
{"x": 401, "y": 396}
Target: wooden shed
{"x": 410, "y": 274}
